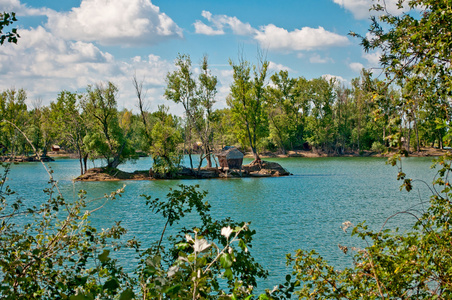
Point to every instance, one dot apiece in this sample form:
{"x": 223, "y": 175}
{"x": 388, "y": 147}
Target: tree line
{"x": 265, "y": 112}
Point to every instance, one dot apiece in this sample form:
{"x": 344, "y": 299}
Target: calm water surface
{"x": 302, "y": 211}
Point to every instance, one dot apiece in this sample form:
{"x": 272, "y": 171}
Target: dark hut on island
{"x": 230, "y": 158}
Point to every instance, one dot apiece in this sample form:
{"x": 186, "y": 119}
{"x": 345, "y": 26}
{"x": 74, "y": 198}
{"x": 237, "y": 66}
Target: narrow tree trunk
{"x": 85, "y": 162}
{"x": 408, "y": 139}
{"x": 81, "y": 164}
{"x": 209, "y": 160}
{"x": 418, "y": 146}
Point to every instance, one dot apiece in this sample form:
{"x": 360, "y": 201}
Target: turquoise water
{"x": 302, "y": 211}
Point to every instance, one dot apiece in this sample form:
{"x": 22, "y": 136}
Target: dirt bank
{"x": 265, "y": 169}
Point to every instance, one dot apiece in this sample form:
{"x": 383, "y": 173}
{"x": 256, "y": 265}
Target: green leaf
{"x": 228, "y": 273}
{"x": 127, "y": 295}
{"x": 173, "y": 289}
{"x": 111, "y": 284}
{"x": 104, "y": 256}
{"x": 226, "y": 260}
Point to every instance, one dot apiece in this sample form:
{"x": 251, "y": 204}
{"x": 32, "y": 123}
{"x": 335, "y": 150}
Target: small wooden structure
{"x": 230, "y": 158}
{"x": 55, "y": 148}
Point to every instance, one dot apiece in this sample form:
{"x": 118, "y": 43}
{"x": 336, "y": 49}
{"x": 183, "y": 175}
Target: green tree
{"x": 320, "y": 125}
{"x": 247, "y": 102}
{"x": 197, "y": 100}
{"x": 206, "y": 92}
{"x": 166, "y": 138}
{"x": 416, "y": 52}
{"x": 72, "y": 129}
{"x": 415, "y": 264}
{"x": 106, "y": 137}
{"x": 13, "y": 111}
{"x": 283, "y": 110}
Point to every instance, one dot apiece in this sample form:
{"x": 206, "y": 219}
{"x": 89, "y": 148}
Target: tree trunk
{"x": 418, "y": 146}
{"x": 81, "y": 164}
{"x": 209, "y": 160}
{"x": 85, "y": 162}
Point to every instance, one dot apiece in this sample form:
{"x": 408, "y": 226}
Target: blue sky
{"x": 66, "y": 45}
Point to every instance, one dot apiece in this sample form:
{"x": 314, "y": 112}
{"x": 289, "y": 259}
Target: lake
{"x": 302, "y": 211}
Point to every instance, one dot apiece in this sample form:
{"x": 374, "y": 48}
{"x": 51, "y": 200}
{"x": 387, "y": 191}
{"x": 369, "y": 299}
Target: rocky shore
{"x": 265, "y": 169}
{"x": 19, "y": 159}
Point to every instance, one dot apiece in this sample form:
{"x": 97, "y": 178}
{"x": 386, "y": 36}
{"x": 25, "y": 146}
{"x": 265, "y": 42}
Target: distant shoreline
{"x": 425, "y": 152}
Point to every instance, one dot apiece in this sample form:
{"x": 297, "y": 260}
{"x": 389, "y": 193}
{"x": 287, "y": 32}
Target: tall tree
{"x": 67, "y": 117}
{"x": 247, "y": 101}
{"x": 13, "y": 110}
{"x": 166, "y": 138}
{"x": 415, "y": 48}
{"x": 106, "y": 137}
{"x": 206, "y": 92}
{"x": 283, "y": 110}
{"x": 197, "y": 102}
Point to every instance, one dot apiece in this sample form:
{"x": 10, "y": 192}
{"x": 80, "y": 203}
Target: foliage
{"x": 50, "y": 251}
{"x": 415, "y": 54}
{"x": 13, "y": 111}
{"x": 107, "y": 136}
{"x": 6, "y": 19}
{"x": 394, "y": 265}
{"x": 164, "y": 150}
{"x": 200, "y": 260}
{"x": 65, "y": 113}
{"x": 247, "y": 103}
{"x": 197, "y": 99}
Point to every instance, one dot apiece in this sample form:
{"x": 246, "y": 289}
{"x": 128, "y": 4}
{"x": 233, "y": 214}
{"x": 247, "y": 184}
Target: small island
{"x": 230, "y": 160}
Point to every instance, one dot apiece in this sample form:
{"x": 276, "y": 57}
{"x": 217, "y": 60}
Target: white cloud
{"x": 373, "y": 58}
{"x": 45, "y": 65}
{"x": 22, "y": 9}
{"x": 356, "y": 66}
{"x": 275, "y": 38}
{"x": 219, "y": 22}
{"x": 270, "y": 36}
{"x": 337, "y": 79}
{"x": 202, "y": 28}
{"x": 360, "y": 8}
{"x": 119, "y": 22}
{"x": 317, "y": 59}
{"x": 300, "y": 55}
{"x": 278, "y": 67}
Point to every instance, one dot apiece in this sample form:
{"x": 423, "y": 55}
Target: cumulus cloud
{"x": 45, "y": 65}
{"x": 270, "y": 36}
{"x": 317, "y": 59}
{"x": 373, "y": 58}
{"x": 360, "y": 8}
{"x": 219, "y": 23}
{"x": 276, "y": 38}
{"x": 338, "y": 80}
{"x": 22, "y": 9}
{"x": 272, "y": 66}
{"x": 356, "y": 66}
{"x": 202, "y": 28}
{"x": 119, "y": 22}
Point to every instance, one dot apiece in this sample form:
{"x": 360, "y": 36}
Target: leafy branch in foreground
{"x": 394, "y": 265}
{"x": 50, "y": 251}
{"x": 7, "y": 19}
